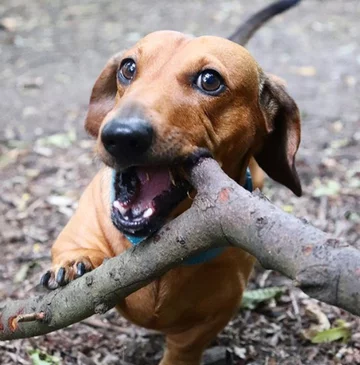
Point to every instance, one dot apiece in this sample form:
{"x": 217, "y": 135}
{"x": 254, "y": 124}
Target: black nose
{"x": 124, "y": 138}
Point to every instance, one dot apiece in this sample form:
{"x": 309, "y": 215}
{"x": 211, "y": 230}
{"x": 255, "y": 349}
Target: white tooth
{"x": 116, "y": 205}
{"x": 172, "y": 178}
{"x": 126, "y": 217}
{"x": 119, "y": 207}
{"x": 148, "y": 212}
{"x": 123, "y": 210}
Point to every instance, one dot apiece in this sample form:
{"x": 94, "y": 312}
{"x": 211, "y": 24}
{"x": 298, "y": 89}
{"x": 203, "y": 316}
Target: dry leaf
{"x": 307, "y": 71}
{"x": 313, "y": 310}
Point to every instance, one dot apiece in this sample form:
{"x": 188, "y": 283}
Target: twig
{"x": 31, "y": 317}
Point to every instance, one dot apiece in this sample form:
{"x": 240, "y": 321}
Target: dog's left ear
{"x": 277, "y": 156}
{"x": 103, "y": 95}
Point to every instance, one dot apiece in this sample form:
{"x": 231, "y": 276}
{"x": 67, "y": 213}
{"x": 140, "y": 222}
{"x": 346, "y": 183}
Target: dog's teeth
{"x": 116, "y": 205}
{"x": 172, "y": 178}
{"x": 119, "y": 207}
{"x": 189, "y": 196}
{"x": 148, "y": 212}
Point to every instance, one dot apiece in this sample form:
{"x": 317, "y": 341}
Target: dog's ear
{"x": 103, "y": 95}
{"x": 282, "y": 119}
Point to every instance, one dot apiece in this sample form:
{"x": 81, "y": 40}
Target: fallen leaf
{"x": 339, "y": 143}
{"x": 59, "y": 200}
{"x": 22, "y": 202}
{"x": 11, "y": 156}
{"x": 313, "y": 310}
{"x": 60, "y": 140}
{"x": 43, "y": 151}
{"x": 36, "y": 248}
{"x": 252, "y": 298}
{"x": 352, "y": 216}
{"x": 240, "y": 352}
{"x": 307, "y": 71}
{"x": 9, "y": 24}
{"x": 30, "y": 111}
{"x": 41, "y": 358}
{"x": 23, "y": 272}
{"x": 329, "y": 162}
{"x": 337, "y": 126}
{"x": 350, "y": 80}
{"x": 341, "y": 331}
{"x": 330, "y": 188}
{"x": 288, "y": 208}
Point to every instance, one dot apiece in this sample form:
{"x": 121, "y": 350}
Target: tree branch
{"x": 222, "y": 214}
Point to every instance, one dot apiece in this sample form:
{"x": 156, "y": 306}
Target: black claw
{"x": 44, "y": 281}
{"x": 60, "y": 277}
{"x": 47, "y": 281}
{"x": 80, "y": 269}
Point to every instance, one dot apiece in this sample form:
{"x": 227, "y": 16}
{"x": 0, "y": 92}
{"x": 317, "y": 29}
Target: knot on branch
{"x": 336, "y": 243}
{"x": 314, "y": 281}
{"x": 102, "y": 308}
{"x": 204, "y": 202}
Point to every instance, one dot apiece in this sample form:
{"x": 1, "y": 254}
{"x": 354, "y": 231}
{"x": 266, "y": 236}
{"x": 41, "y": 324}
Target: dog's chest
{"x": 187, "y": 295}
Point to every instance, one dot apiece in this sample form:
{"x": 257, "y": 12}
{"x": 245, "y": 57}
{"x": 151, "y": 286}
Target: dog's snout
{"x": 127, "y": 138}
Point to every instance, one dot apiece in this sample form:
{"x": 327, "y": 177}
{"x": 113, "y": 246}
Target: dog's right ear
{"x": 103, "y": 95}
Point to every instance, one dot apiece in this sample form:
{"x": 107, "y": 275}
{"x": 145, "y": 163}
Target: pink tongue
{"x": 153, "y": 181}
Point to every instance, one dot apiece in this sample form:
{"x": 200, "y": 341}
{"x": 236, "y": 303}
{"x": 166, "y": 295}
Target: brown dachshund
{"x": 166, "y": 101}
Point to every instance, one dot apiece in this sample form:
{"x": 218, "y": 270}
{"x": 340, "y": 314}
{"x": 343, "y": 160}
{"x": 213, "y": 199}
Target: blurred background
{"x": 50, "y": 55}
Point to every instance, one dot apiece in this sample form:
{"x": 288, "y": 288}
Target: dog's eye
{"x": 127, "y": 70}
{"x": 210, "y": 81}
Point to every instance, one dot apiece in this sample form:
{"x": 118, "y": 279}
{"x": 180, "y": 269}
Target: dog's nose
{"x": 127, "y": 137}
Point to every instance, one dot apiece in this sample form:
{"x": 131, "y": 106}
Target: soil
{"x": 51, "y": 53}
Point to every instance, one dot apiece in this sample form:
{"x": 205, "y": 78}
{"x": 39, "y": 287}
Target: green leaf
{"x": 288, "y": 208}
{"x": 252, "y": 298}
{"x": 60, "y": 140}
{"x": 41, "y": 358}
{"x": 23, "y": 272}
{"x": 331, "y": 188}
{"x": 340, "y": 332}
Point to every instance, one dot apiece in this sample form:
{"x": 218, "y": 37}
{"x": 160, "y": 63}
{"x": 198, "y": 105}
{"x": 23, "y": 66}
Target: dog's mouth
{"x": 145, "y": 196}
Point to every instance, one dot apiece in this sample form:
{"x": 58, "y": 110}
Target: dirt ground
{"x": 51, "y": 53}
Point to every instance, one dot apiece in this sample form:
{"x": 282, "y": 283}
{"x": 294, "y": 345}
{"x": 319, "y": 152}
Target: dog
{"x": 171, "y": 99}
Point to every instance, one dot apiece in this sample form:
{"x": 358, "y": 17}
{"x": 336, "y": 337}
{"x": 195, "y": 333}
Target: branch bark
{"x": 222, "y": 214}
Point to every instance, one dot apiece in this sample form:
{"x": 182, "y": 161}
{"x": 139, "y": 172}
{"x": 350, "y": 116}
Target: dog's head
{"x": 172, "y": 97}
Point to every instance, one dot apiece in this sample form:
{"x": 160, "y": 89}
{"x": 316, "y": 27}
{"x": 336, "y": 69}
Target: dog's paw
{"x": 69, "y": 270}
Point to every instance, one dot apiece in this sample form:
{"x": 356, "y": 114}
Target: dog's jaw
{"x": 143, "y": 198}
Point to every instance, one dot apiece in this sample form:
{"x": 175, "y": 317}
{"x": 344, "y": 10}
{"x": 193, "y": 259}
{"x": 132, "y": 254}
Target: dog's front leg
{"x": 83, "y": 243}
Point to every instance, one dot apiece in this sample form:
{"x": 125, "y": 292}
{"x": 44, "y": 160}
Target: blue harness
{"x": 201, "y": 257}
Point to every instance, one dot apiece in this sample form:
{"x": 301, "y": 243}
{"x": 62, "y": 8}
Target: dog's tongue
{"x": 153, "y": 182}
